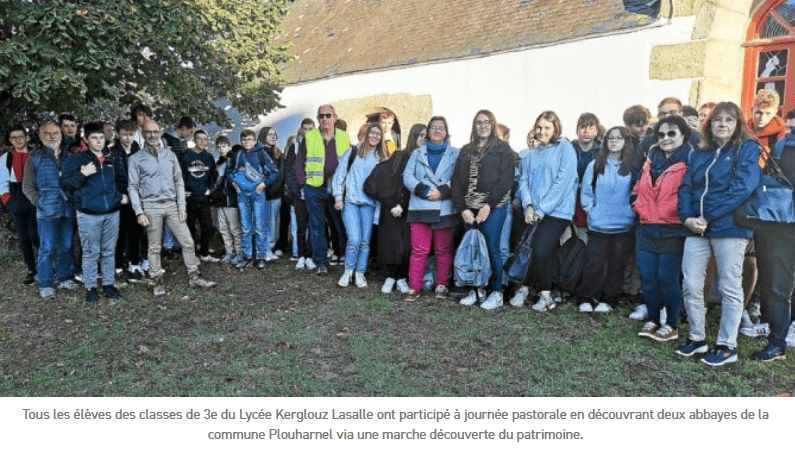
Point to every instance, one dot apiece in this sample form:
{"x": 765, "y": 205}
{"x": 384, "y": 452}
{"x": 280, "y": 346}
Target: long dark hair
{"x": 627, "y": 154}
{"x": 411, "y": 141}
{"x": 473, "y": 137}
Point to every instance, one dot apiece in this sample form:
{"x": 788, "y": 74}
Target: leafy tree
{"x": 178, "y": 56}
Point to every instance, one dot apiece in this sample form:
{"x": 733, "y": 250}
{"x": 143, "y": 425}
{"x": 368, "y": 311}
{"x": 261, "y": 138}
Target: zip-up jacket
{"x": 657, "y": 199}
{"x": 155, "y": 180}
{"x": 40, "y": 185}
{"x": 120, "y": 164}
{"x": 257, "y": 158}
{"x": 548, "y": 180}
{"x": 95, "y": 194}
{"x": 716, "y": 183}
{"x": 11, "y": 183}
{"x": 224, "y": 194}
{"x": 350, "y": 183}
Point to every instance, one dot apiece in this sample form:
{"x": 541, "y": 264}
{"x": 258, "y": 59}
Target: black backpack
{"x": 568, "y": 262}
{"x": 518, "y": 264}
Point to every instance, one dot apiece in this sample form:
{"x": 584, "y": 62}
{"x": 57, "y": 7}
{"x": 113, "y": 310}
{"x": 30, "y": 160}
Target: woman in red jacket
{"x": 661, "y": 236}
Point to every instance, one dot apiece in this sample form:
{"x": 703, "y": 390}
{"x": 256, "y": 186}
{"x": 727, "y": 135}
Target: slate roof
{"x": 336, "y": 37}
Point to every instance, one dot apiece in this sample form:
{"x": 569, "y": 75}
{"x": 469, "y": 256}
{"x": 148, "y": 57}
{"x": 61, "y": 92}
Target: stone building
{"x": 520, "y": 57}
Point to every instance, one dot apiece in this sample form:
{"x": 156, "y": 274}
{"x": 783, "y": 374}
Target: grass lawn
{"x": 282, "y": 332}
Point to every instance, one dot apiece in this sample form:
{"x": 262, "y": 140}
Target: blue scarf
{"x": 435, "y": 153}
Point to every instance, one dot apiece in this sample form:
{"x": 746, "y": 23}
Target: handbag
{"x": 518, "y": 264}
{"x": 771, "y": 201}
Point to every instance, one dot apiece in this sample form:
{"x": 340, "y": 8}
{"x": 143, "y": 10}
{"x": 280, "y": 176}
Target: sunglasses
{"x": 324, "y": 116}
{"x": 670, "y": 134}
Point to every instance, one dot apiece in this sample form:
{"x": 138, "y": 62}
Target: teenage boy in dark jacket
{"x": 199, "y": 171}
{"x": 89, "y": 175}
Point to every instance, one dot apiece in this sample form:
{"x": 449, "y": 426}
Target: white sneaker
{"x": 310, "y": 264}
{"x": 519, "y": 297}
{"x": 585, "y": 307}
{"x": 602, "y": 307}
{"x": 345, "y": 280}
{"x": 301, "y": 264}
{"x": 545, "y": 302}
{"x": 278, "y": 253}
{"x": 758, "y": 330}
{"x": 493, "y": 302}
{"x": 403, "y": 286}
{"x": 471, "y": 298}
{"x": 270, "y": 256}
{"x": 389, "y": 285}
{"x": 791, "y": 335}
{"x": 640, "y": 313}
{"x": 361, "y": 282}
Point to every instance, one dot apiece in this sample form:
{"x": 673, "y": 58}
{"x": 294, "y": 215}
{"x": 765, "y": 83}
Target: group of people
{"x": 654, "y": 205}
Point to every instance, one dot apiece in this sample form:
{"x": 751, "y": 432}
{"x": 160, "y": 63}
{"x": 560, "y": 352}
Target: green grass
{"x": 284, "y": 333}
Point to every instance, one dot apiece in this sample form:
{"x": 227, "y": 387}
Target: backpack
{"x": 518, "y": 264}
{"x": 472, "y": 265}
{"x": 568, "y": 262}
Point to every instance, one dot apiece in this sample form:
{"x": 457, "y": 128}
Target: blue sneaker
{"x": 691, "y": 348}
{"x": 720, "y": 356}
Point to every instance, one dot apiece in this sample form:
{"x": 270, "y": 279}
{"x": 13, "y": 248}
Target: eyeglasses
{"x": 17, "y": 137}
{"x": 324, "y": 116}
{"x": 438, "y": 128}
{"x": 669, "y": 134}
{"x": 482, "y": 124}
{"x": 615, "y": 139}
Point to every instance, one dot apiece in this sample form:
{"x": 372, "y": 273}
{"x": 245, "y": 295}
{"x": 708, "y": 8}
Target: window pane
{"x": 772, "y": 64}
{"x": 772, "y": 28}
{"x": 787, "y": 11}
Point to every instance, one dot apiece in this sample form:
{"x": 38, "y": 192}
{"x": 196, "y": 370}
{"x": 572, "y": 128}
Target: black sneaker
{"x": 92, "y": 297}
{"x": 770, "y": 353}
{"x": 691, "y": 348}
{"x": 262, "y": 264}
{"x": 322, "y": 270}
{"x": 111, "y": 292}
{"x": 30, "y": 278}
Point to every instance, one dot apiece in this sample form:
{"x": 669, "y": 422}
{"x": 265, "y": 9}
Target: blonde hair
{"x": 767, "y": 99}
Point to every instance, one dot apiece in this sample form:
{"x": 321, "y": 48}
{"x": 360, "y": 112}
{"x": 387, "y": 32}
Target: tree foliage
{"x": 179, "y": 56}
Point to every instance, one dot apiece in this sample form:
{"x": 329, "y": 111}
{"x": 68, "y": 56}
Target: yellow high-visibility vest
{"x": 316, "y": 154}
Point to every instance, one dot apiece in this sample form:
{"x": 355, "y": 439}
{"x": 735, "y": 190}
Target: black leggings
{"x": 546, "y": 240}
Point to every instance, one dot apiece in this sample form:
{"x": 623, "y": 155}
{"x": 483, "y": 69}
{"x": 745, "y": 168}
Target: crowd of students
{"x": 654, "y": 206}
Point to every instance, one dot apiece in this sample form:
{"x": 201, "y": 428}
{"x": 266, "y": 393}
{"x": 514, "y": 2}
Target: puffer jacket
{"x": 95, "y": 194}
{"x": 418, "y": 176}
{"x": 716, "y": 183}
{"x": 658, "y": 202}
{"x": 548, "y": 180}
{"x": 42, "y": 171}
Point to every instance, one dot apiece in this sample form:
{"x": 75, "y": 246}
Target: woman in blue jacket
{"x": 604, "y": 195}
{"x": 431, "y": 213}
{"x": 358, "y": 209}
{"x": 547, "y": 189}
{"x": 719, "y": 178}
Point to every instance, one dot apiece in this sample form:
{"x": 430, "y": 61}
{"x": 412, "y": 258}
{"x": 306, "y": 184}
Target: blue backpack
{"x": 472, "y": 265}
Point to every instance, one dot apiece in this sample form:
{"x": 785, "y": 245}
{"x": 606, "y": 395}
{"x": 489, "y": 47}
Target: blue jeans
{"x": 492, "y": 230}
{"x": 98, "y": 235}
{"x": 273, "y": 218}
{"x": 505, "y": 236}
{"x": 729, "y": 256}
{"x": 316, "y": 208}
{"x": 659, "y": 280}
{"x": 254, "y": 214}
{"x": 55, "y": 233}
{"x": 358, "y": 220}
{"x": 169, "y": 240}
{"x": 294, "y": 230}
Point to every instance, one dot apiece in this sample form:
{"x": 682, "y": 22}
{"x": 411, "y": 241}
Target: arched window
{"x": 770, "y": 54}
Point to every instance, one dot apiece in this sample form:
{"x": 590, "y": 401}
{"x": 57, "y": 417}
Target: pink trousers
{"x": 422, "y": 236}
